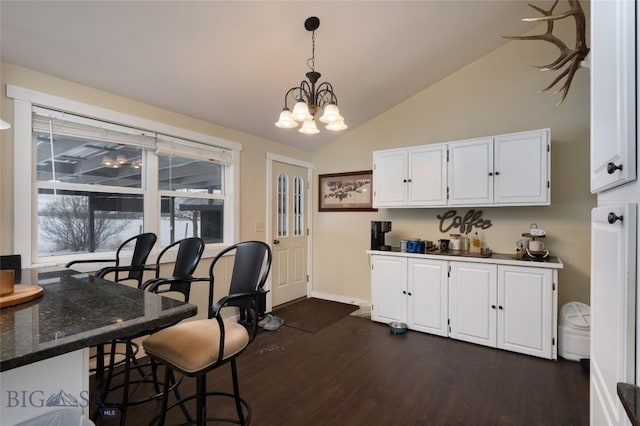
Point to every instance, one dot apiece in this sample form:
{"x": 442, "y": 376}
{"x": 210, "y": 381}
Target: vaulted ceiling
{"x": 231, "y": 62}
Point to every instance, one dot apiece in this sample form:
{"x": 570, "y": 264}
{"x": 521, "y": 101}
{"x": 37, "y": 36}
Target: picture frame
{"x": 346, "y": 192}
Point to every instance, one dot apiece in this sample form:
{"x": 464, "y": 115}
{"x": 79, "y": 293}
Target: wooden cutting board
{"x": 22, "y": 293}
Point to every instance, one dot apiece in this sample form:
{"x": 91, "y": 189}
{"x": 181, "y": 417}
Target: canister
{"x": 454, "y": 242}
{"x": 403, "y": 246}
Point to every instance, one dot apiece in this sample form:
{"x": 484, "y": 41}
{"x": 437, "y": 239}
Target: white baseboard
{"x": 341, "y": 299}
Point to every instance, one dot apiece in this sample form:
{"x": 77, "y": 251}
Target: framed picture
{"x": 352, "y": 191}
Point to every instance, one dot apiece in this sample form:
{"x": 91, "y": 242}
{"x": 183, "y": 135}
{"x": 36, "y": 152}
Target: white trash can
{"x": 573, "y": 331}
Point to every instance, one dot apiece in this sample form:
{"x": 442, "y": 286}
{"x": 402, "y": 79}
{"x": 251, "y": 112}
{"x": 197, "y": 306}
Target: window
{"x": 283, "y": 205}
{"x": 298, "y": 206}
{"x": 91, "y": 184}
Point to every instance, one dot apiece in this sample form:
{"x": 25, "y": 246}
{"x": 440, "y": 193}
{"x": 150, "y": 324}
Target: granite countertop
{"x": 76, "y": 311}
{"x": 459, "y": 255}
{"x": 630, "y": 396}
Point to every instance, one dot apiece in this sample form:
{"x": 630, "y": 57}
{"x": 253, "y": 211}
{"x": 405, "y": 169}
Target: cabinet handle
{"x": 497, "y": 173}
{"x": 493, "y": 306}
{"x": 613, "y": 218}
{"x": 490, "y": 174}
{"x": 404, "y": 180}
{"x": 611, "y": 167}
{"x": 404, "y": 292}
{"x": 409, "y": 293}
{"x": 408, "y": 180}
{"x": 500, "y": 307}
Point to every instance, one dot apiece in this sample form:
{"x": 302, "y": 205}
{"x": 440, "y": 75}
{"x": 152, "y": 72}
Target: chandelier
{"x": 309, "y": 99}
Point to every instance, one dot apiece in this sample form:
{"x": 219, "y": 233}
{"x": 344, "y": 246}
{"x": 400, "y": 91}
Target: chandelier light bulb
{"x": 331, "y": 113}
{"x": 107, "y": 161}
{"x": 336, "y": 126}
{"x": 301, "y": 111}
{"x": 309, "y": 127}
{"x": 286, "y": 120}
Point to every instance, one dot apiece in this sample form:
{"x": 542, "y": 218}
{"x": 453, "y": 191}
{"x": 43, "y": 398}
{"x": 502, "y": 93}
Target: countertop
{"x": 76, "y": 311}
{"x": 551, "y": 262}
{"x": 630, "y": 396}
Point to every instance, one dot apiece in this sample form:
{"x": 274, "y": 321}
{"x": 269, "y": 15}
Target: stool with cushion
{"x": 196, "y": 347}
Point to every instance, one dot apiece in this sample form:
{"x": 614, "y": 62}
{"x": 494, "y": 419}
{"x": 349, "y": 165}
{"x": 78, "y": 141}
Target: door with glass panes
{"x": 289, "y": 267}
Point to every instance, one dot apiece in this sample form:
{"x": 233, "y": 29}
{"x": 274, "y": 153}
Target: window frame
{"x": 25, "y": 186}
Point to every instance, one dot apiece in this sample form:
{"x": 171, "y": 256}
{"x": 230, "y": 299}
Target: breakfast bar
{"x": 44, "y": 342}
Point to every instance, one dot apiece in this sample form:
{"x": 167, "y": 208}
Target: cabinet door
{"x": 525, "y": 301}
{"x": 390, "y": 178}
{"x": 613, "y": 93}
{"x": 470, "y": 172}
{"x": 427, "y": 183}
{"x": 427, "y": 296}
{"x": 613, "y": 275}
{"x": 472, "y": 302}
{"x": 521, "y": 169}
{"x": 389, "y": 288}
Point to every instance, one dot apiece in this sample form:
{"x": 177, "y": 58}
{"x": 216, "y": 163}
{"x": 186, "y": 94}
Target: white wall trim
{"x": 271, "y": 157}
{"x": 24, "y": 198}
{"x": 341, "y": 299}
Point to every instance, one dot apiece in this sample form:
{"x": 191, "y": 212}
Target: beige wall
{"x": 497, "y": 94}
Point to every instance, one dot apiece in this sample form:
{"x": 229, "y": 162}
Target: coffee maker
{"x": 378, "y": 229}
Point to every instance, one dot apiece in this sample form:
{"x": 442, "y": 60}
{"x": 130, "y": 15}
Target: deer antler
{"x": 575, "y": 56}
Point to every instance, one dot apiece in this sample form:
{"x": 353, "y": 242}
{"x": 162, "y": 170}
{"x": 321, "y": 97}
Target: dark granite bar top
{"x": 630, "y": 396}
{"x": 76, "y": 311}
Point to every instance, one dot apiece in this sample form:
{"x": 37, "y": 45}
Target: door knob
{"x": 276, "y": 242}
{"x": 613, "y": 218}
{"x": 611, "y": 167}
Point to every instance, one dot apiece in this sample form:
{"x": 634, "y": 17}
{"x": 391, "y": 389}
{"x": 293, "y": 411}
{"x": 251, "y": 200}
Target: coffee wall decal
{"x": 472, "y": 219}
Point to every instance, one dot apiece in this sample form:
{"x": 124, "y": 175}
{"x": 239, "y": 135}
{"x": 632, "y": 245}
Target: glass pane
{"x": 184, "y": 174}
{"x": 298, "y": 184}
{"x": 71, "y": 222}
{"x": 283, "y": 213}
{"x": 191, "y": 217}
{"x": 73, "y": 159}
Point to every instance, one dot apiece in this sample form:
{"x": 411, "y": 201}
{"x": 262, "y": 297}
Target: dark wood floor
{"x": 354, "y": 372}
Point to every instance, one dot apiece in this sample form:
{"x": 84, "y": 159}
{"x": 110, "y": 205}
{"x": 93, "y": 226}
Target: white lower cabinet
{"x": 427, "y": 296}
{"x": 472, "y": 302}
{"x": 525, "y": 310}
{"x": 506, "y": 306}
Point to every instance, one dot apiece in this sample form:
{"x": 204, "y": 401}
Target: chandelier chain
{"x": 312, "y": 59}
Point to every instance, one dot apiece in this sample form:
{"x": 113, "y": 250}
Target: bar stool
{"x": 194, "y": 348}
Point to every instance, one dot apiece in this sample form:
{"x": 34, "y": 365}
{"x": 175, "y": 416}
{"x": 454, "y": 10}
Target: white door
{"x": 613, "y": 254}
{"x": 427, "y": 183}
{"x": 521, "y": 168}
{"x": 470, "y": 172}
{"x": 473, "y": 302}
{"x": 613, "y": 79}
{"x": 289, "y": 267}
{"x": 427, "y": 296}
{"x": 525, "y": 301}
{"x": 390, "y": 178}
{"x": 388, "y": 288}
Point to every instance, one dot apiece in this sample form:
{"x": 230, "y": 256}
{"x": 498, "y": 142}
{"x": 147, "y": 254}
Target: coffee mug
{"x": 444, "y": 245}
{"x": 7, "y": 281}
{"x": 536, "y": 245}
{"x": 522, "y": 244}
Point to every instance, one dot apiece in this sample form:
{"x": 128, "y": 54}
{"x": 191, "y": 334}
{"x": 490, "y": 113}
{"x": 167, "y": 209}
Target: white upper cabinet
{"x": 506, "y": 170}
{"x": 613, "y": 94}
{"x": 410, "y": 177}
{"x": 471, "y": 172}
{"x": 522, "y": 164}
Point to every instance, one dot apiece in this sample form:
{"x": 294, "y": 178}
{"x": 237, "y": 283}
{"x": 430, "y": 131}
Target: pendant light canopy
{"x": 310, "y": 99}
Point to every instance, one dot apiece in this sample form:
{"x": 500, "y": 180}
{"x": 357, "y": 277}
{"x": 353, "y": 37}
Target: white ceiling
{"x": 231, "y": 62}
